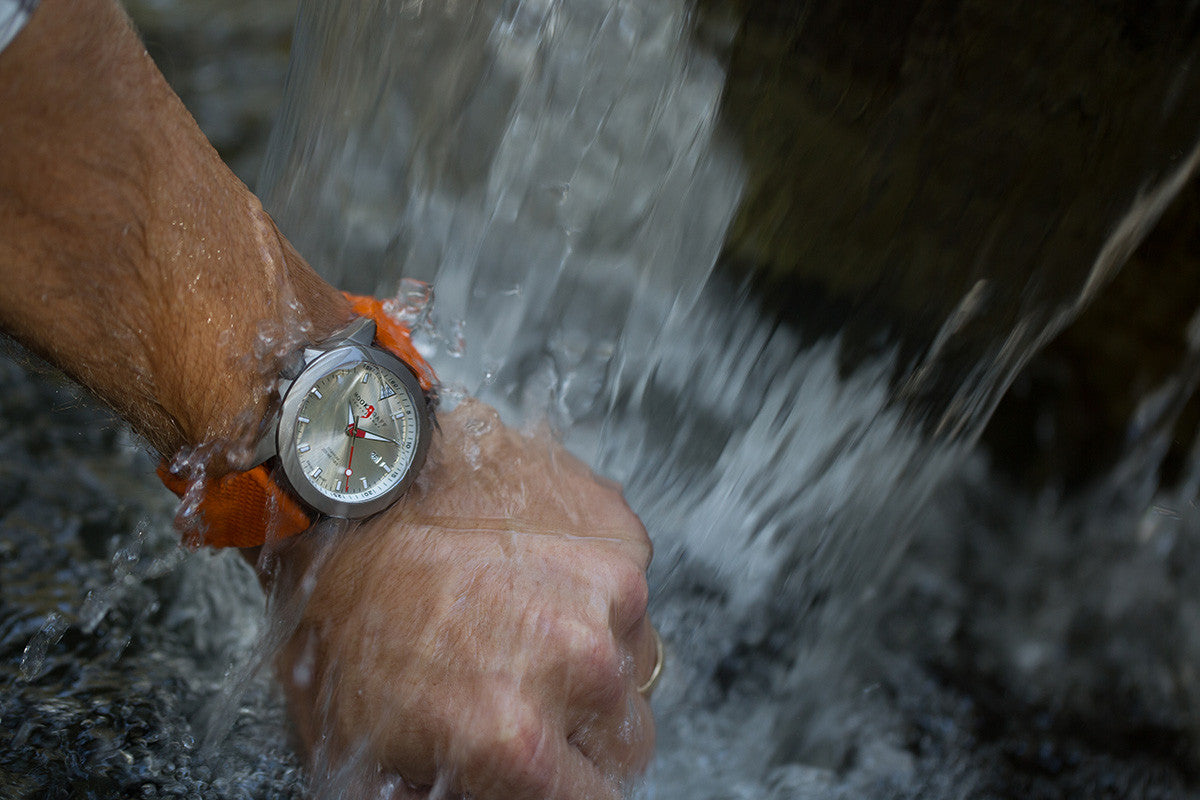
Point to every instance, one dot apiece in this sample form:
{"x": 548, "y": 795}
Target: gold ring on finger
{"x": 659, "y": 657}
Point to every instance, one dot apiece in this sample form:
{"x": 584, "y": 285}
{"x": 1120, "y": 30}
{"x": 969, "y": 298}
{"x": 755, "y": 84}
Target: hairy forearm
{"x": 132, "y": 258}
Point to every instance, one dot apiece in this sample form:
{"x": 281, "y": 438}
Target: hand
{"x": 487, "y": 634}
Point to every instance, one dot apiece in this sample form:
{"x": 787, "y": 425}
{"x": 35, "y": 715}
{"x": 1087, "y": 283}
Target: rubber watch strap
{"x": 247, "y": 509}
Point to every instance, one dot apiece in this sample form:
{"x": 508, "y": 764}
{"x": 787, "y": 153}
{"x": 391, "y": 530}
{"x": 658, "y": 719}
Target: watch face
{"x": 358, "y": 432}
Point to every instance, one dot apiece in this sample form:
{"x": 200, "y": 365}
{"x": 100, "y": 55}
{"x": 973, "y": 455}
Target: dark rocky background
{"x": 900, "y": 153}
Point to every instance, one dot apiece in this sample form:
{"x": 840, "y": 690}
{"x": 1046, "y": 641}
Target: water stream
{"x": 828, "y": 541}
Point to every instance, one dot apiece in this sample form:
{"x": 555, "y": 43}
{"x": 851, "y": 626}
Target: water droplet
{"x": 478, "y": 427}
{"x": 451, "y": 394}
{"x": 94, "y": 608}
{"x": 33, "y": 661}
{"x": 126, "y": 558}
{"x": 458, "y": 339}
{"x": 411, "y": 305}
{"x": 491, "y": 367}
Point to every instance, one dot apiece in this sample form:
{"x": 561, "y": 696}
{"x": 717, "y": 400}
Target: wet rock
{"x": 906, "y": 157}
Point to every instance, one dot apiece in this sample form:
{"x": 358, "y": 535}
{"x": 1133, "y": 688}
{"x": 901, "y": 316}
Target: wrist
{"x": 235, "y": 298}
{"x": 366, "y": 389}
{"x": 237, "y": 302}
{"x": 135, "y": 260}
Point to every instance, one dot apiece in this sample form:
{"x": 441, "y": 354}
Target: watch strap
{"x": 393, "y": 335}
{"x": 250, "y": 508}
{"x": 240, "y": 509}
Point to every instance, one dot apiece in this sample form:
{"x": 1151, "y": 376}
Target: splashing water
{"x": 556, "y": 169}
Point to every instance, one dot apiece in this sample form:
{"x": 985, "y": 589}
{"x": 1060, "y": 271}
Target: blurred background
{"x": 904, "y": 97}
{"x": 975, "y": 223}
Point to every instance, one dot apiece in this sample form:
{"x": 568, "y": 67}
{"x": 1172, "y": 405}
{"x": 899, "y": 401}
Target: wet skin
{"x": 509, "y": 549}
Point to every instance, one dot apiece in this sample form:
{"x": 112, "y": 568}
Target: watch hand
{"x": 361, "y": 434}
{"x": 349, "y": 415}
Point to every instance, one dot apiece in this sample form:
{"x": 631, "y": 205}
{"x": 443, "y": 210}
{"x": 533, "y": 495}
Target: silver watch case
{"x": 351, "y": 346}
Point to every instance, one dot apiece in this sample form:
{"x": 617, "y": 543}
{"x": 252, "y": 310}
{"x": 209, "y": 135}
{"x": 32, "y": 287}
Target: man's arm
{"x": 487, "y": 632}
{"x": 132, "y": 257}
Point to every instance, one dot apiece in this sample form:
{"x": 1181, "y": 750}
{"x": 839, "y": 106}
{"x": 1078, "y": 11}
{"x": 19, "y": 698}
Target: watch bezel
{"x": 340, "y": 357}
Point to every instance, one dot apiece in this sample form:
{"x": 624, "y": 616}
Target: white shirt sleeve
{"x": 13, "y": 16}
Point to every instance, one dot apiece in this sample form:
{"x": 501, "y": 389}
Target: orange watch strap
{"x": 394, "y": 336}
{"x": 247, "y": 509}
{"x": 242, "y": 509}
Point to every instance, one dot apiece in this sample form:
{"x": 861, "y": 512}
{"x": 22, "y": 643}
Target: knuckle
{"x": 629, "y": 595}
{"x": 518, "y": 737}
{"x": 638, "y": 545}
{"x": 632, "y": 591}
{"x": 592, "y": 665}
{"x": 589, "y": 649}
{"x": 508, "y": 749}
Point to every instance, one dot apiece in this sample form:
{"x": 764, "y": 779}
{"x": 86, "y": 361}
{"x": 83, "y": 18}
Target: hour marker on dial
{"x": 317, "y": 392}
{"x": 386, "y": 392}
{"x": 303, "y": 448}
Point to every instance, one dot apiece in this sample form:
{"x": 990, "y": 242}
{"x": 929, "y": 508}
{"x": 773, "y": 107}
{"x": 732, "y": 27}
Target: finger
{"x": 591, "y": 674}
{"x": 630, "y": 596}
{"x": 524, "y": 756}
{"x": 619, "y": 740}
{"x": 648, "y": 655}
{"x": 599, "y": 668}
{"x": 613, "y": 724}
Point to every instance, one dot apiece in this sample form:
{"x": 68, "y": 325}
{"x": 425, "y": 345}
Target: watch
{"x": 353, "y": 428}
{"x": 348, "y": 439}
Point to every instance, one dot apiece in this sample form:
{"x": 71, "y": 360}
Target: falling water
{"x": 559, "y": 171}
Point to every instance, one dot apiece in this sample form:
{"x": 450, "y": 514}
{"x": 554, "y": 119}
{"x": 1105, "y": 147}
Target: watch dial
{"x": 356, "y": 432}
